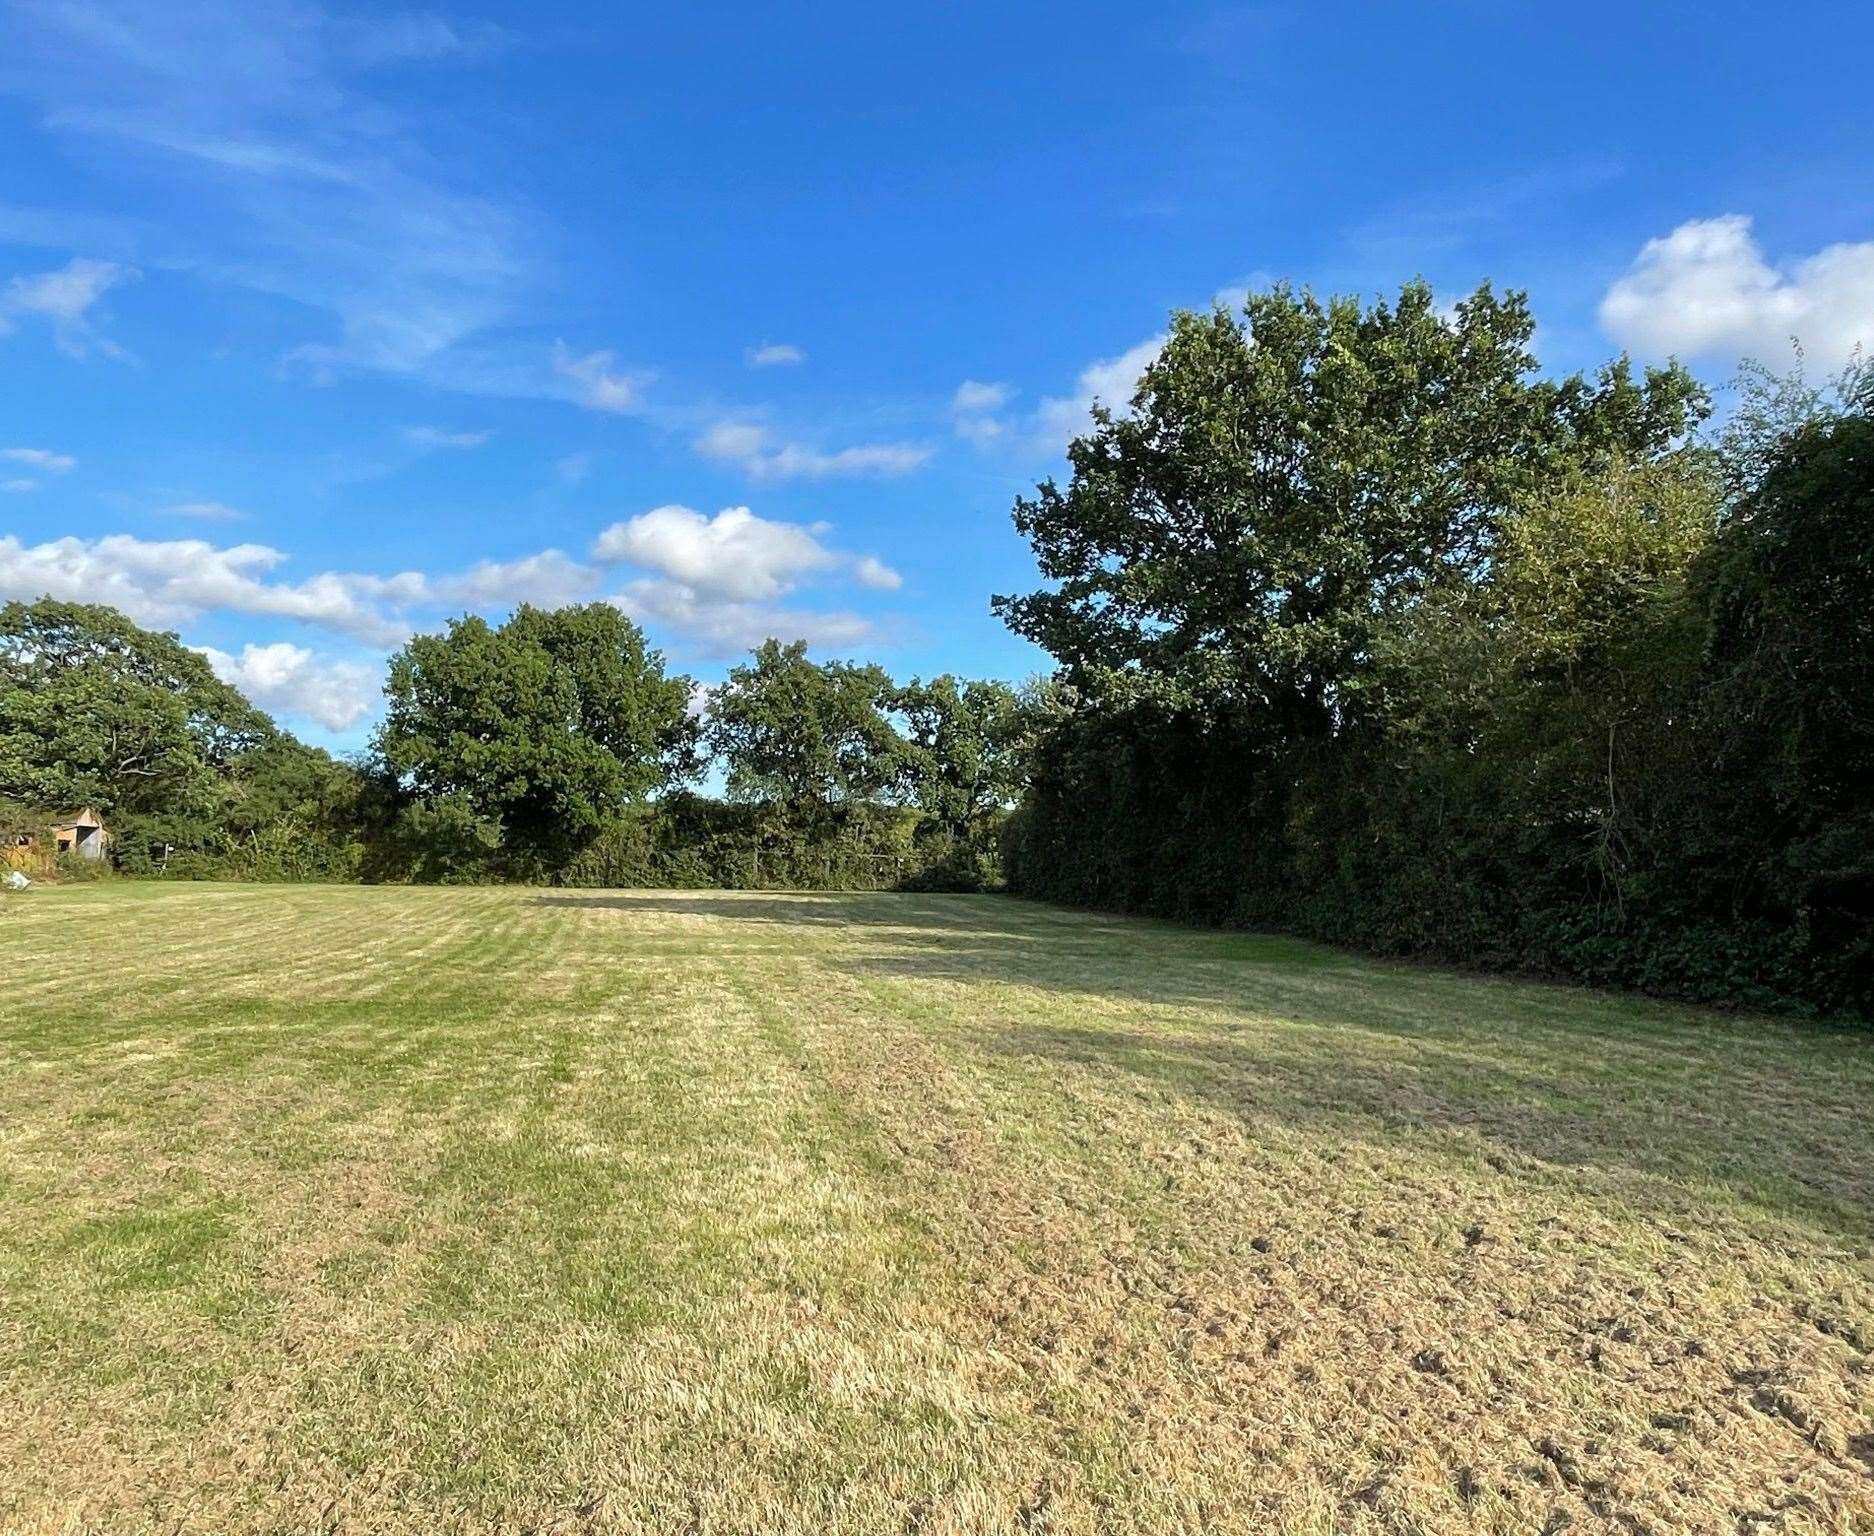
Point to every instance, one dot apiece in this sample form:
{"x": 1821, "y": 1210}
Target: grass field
{"x": 388, "y": 1210}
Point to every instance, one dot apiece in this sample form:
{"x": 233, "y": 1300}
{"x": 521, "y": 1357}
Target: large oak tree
{"x": 1286, "y": 478}
{"x": 545, "y": 726}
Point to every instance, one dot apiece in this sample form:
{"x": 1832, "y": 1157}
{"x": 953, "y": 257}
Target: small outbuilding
{"x": 34, "y": 846}
{"x": 82, "y": 834}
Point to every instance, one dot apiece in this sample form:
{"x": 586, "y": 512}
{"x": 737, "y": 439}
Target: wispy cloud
{"x": 64, "y": 299}
{"x": 978, "y": 415}
{"x": 207, "y": 511}
{"x": 974, "y": 410}
{"x": 40, "y": 458}
{"x": 549, "y": 579}
{"x": 574, "y": 468}
{"x": 411, "y": 37}
{"x": 428, "y": 438}
{"x": 596, "y": 380}
{"x": 1110, "y": 381}
{"x": 752, "y": 449}
{"x": 296, "y": 179}
{"x": 721, "y": 629}
{"x": 775, "y": 354}
{"x": 1474, "y": 210}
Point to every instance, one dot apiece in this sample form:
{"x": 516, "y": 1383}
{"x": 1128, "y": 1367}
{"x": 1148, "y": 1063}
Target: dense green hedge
{"x": 691, "y": 841}
{"x": 683, "y": 841}
{"x": 1343, "y": 846}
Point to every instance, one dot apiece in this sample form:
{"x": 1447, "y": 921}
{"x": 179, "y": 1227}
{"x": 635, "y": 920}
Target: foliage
{"x": 625, "y": 700}
{"x": 1287, "y": 481}
{"x": 825, "y": 791}
{"x": 188, "y": 776}
{"x": 962, "y": 760}
{"x": 1564, "y": 689}
{"x": 1775, "y": 408}
{"x": 544, "y": 728}
{"x": 95, "y": 711}
{"x": 442, "y": 840}
{"x": 803, "y": 734}
{"x": 687, "y": 841}
{"x": 1788, "y": 706}
{"x": 75, "y": 869}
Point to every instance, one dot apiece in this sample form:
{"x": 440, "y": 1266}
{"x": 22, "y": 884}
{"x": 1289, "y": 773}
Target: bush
{"x": 436, "y": 842}
{"x": 75, "y": 869}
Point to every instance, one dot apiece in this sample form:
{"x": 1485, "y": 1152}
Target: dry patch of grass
{"x": 421, "y": 1210}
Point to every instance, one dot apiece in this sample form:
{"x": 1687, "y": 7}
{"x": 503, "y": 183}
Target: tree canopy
{"x": 804, "y": 733}
{"x": 964, "y": 754}
{"x": 95, "y": 711}
{"x": 546, "y": 725}
{"x": 1285, "y": 480}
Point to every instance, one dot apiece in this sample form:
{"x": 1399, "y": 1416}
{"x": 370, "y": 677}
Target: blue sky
{"x": 320, "y": 323}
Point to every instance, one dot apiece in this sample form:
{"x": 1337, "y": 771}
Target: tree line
{"x": 1365, "y": 629}
{"x": 557, "y": 746}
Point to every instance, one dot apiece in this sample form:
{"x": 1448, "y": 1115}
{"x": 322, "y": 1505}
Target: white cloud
{"x": 40, "y": 458}
{"x": 719, "y": 581}
{"x": 548, "y": 579}
{"x": 872, "y": 572}
{"x": 19, "y": 486}
{"x": 64, "y": 299}
{"x": 596, "y": 381}
{"x": 751, "y": 448}
{"x": 733, "y": 441}
{"x": 973, "y": 410}
{"x": 775, "y": 354}
{"x": 978, "y": 412}
{"x": 68, "y": 293}
{"x": 436, "y": 437}
{"x": 175, "y": 581}
{"x": 290, "y": 680}
{"x": 1111, "y": 381}
{"x": 973, "y": 397}
{"x": 1707, "y": 290}
{"x": 734, "y": 556}
{"x": 720, "y": 629}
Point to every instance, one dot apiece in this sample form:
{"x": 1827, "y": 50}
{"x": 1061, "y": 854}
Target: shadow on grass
{"x": 915, "y": 920}
{"x": 1282, "y": 1033}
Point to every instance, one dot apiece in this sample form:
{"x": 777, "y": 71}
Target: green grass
{"x": 387, "y": 1210}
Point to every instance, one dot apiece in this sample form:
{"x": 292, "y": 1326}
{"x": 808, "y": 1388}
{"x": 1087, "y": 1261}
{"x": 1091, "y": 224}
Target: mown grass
{"x": 387, "y": 1210}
